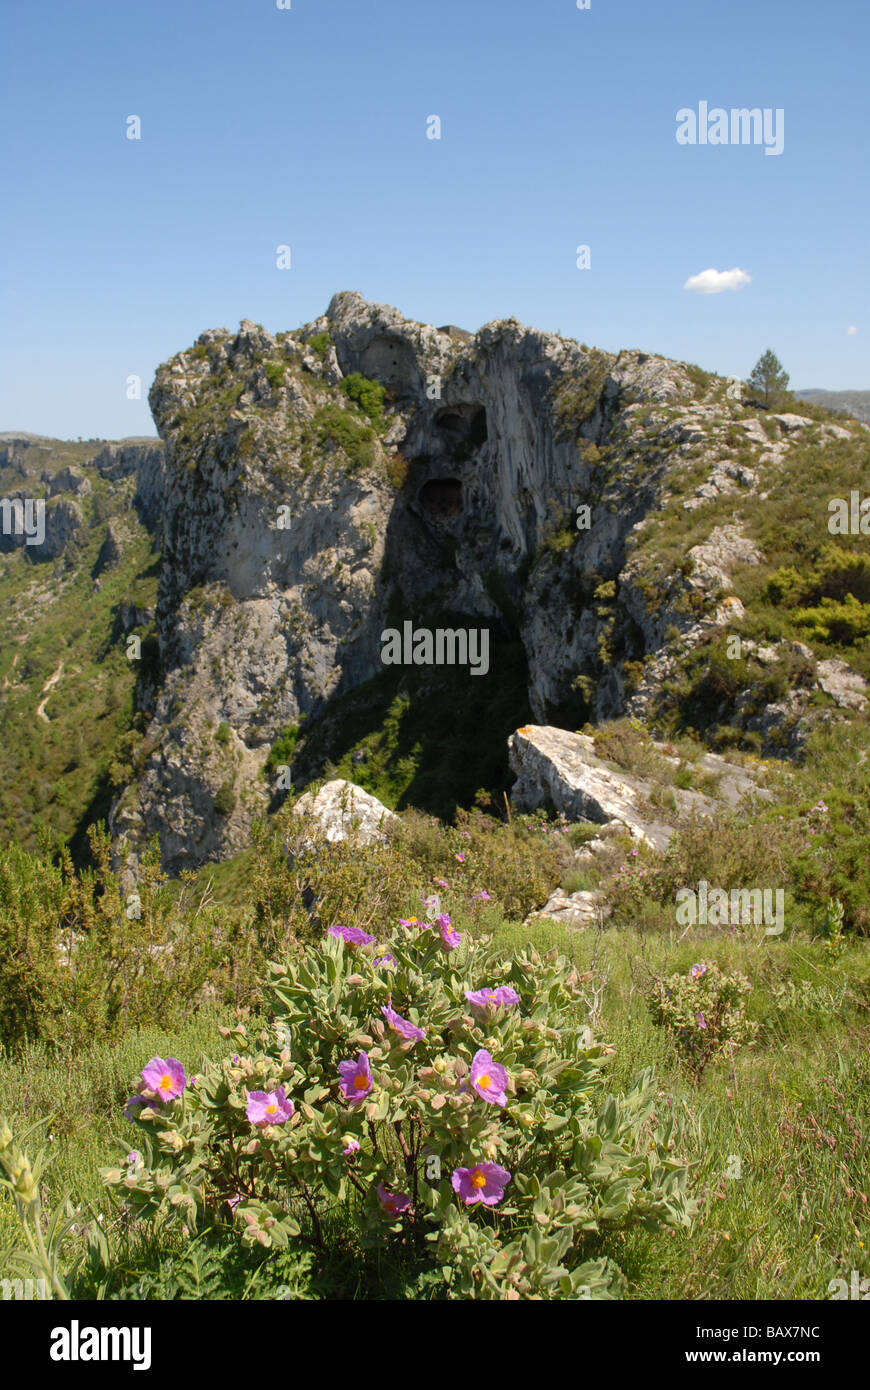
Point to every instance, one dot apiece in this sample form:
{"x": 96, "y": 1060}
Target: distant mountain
{"x": 854, "y": 403}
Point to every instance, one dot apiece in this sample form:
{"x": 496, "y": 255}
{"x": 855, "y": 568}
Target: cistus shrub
{"x": 704, "y": 1012}
{"x": 436, "y": 1097}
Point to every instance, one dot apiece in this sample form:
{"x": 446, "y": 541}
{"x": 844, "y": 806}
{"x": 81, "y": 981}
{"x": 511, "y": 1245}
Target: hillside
{"x": 854, "y": 403}
{"x": 67, "y": 688}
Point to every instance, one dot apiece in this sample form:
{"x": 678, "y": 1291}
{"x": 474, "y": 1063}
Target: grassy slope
{"x": 54, "y": 774}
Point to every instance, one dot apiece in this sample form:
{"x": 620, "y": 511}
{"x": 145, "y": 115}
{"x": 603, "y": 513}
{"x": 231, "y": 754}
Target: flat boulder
{"x": 561, "y": 769}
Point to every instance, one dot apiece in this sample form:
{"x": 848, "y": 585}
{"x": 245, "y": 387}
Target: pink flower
{"x": 353, "y": 936}
{"x": 388, "y": 959}
{"x": 165, "y": 1079}
{"x": 488, "y": 1079}
{"x": 409, "y": 1031}
{"x": 481, "y": 897}
{"x": 441, "y": 883}
{"x": 352, "y": 1147}
{"x": 133, "y": 1105}
{"x": 460, "y": 858}
{"x": 485, "y": 1002}
{"x": 697, "y": 971}
{"x": 269, "y": 1107}
{"x": 701, "y": 1021}
{"x": 393, "y": 1203}
{"x": 356, "y": 1079}
{"x": 485, "y": 1183}
{"x": 410, "y": 922}
{"x": 449, "y": 937}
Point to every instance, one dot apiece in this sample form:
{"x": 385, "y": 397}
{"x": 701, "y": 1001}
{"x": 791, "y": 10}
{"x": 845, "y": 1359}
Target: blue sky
{"x": 307, "y": 127}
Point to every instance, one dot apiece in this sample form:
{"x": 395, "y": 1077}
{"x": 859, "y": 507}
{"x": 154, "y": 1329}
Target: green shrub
{"x": 275, "y": 374}
{"x": 225, "y": 799}
{"x": 436, "y": 1123}
{"x": 319, "y": 345}
{"x": 368, "y": 395}
{"x": 336, "y": 428}
{"x": 703, "y": 1013}
{"x": 282, "y": 750}
{"x": 79, "y": 959}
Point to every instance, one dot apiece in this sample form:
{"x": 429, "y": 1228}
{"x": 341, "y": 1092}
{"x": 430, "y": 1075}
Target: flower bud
{"x": 440, "y": 1065}
{"x": 5, "y": 1136}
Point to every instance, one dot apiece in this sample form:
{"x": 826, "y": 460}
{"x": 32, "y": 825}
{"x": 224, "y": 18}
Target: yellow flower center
{"x": 478, "y": 1179}
{"x": 272, "y": 1109}
{"x": 484, "y": 1082}
{"x": 166, "y": 1082}
{"x": 360, "y": 1083}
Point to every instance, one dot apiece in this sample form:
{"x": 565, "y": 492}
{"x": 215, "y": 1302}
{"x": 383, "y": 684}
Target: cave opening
{"x": 462, "y": 429}
{"x": 442, "y": 497}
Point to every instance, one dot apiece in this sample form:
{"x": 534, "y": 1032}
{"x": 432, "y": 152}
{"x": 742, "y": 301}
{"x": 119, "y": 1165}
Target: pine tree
{"x": 768, "y": 382}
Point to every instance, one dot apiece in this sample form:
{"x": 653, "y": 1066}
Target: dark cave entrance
{"x": 462, "y": 429}
{"x": 442, "y": 497}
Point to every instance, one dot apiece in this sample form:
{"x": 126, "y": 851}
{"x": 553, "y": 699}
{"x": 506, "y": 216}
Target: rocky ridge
{"x": 296, "y": 524}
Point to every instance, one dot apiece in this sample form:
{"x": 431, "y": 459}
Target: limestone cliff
{"x": 513, "y": 476}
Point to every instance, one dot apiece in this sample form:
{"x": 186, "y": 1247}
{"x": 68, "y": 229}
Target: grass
{"x": 782, "y": 1119}
{"x": 789, "y": 1112}
{"x": 81, "y": 1096}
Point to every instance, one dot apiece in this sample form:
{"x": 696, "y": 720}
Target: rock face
{"x": 63, "y": 518}
{"x": 342, "y": 808}
{"x": 68, "y": 480}
{"x": 560, "y": 770}
{"x": 509, "y": 482}
{"x": 110, "y": 551}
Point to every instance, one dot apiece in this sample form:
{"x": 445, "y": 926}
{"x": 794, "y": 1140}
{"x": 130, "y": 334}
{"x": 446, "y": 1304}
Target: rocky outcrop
{"x": 68, "y": 480}
{"x": 343, "y": 809}
{"x": 560, "y": 771}
{"x": 576, "y": 910}
{"x": 63, "y": 520}
{"x": 509, "y": 482}
{"x": 110, "y": 551}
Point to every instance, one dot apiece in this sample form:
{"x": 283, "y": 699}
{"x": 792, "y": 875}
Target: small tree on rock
{"x": 768, "y": 382}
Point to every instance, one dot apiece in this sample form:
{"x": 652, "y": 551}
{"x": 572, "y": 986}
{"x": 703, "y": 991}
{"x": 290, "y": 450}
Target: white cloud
{"x": 851, "y": 330}
{"x": 715, "y": 281}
